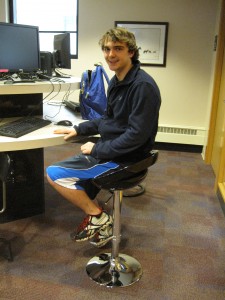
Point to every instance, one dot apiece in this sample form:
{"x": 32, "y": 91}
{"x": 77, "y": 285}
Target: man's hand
{"x": 87, "y": 147}
{"x": 69, "y": 132}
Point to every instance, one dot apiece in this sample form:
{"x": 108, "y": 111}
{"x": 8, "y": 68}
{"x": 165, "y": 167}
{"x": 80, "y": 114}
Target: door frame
{"x": 219, "y": 184}
{"x": 216, "y": 84}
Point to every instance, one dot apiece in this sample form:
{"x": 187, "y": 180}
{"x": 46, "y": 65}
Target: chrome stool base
{"x": 120, "y": 272}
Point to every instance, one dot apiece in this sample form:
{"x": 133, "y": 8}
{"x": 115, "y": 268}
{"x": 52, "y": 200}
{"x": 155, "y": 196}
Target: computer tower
{"x": 46, "y": 62}
{"x": 24, "y": 185}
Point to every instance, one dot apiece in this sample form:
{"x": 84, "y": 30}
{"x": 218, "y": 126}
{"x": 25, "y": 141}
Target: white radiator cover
{"x": 181, "y": 135}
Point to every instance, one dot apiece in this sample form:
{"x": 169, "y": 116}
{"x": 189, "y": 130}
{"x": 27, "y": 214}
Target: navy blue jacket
{"x": 129, "y": 126}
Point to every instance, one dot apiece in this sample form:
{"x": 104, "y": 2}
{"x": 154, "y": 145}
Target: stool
{"x": 115, "y": 269}
{"x": 4, "y": 168}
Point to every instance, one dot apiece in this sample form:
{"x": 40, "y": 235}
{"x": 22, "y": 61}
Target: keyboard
{"x": 22, "y": 126}
{"x": 72, "y": 105}
{"x": 23, "y": 81}
{"x": 44, "y": 76}
{"x": 10, "y": 81}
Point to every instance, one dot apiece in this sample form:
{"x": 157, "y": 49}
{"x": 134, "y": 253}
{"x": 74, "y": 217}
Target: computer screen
{"x": 19, "y": 47}
{"x": 61, "y": 54}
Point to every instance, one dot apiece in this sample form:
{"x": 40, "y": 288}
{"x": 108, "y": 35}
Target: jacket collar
{"x": 129, "y": 76}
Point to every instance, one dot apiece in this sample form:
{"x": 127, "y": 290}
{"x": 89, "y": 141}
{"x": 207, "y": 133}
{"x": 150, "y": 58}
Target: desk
{"x": 39, "y": 86}
{"x": 25, "y": 184}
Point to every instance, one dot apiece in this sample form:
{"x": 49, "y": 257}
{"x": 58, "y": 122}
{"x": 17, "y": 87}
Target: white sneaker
{"x": 102, "y": 237}
{"x": 90, "y": 226}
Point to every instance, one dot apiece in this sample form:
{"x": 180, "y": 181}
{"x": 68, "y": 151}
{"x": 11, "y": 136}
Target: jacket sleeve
{"x": 142, "y": 124}
{"x": 88, "y": 127}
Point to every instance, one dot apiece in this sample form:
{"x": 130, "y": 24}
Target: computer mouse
{"x": 64, "y": 123}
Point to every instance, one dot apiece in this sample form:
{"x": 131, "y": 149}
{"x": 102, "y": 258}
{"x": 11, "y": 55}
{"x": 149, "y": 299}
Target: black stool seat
{"x": 121, "y": 183}
{"x": 115, "y": 269}
{"x": 127, "y": 175}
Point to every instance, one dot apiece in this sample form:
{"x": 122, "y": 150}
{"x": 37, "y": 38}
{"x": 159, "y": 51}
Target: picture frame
{"x": 151, "y": 38}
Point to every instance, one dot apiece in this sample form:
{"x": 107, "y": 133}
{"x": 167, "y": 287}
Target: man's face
{"x": 118, "y": 58}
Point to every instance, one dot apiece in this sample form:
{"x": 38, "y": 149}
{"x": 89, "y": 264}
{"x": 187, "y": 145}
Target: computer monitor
{"x": 61, "y": 53}
{"x": 19, "y": 48}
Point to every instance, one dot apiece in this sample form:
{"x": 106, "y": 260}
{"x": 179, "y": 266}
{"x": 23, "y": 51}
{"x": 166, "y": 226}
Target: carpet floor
{"x": 176, "y": 230}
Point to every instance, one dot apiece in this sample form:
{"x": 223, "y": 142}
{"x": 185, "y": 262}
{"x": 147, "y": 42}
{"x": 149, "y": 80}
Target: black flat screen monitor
{"x": 19, "y": 47}
{"x": 61, "y": 52}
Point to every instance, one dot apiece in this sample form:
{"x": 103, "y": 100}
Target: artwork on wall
{"x": 151, "y": 39}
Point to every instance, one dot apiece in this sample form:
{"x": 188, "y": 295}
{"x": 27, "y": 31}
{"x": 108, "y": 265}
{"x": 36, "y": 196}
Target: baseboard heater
{"x": 181, "y": 135}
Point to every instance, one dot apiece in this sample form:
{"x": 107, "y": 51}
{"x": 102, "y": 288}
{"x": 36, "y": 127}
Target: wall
{"x": 3, "y": 10}
{"x": 185, "y": 82}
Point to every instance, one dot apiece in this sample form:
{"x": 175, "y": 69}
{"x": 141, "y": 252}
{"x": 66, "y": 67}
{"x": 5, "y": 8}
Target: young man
{"x": 127, "y": 133}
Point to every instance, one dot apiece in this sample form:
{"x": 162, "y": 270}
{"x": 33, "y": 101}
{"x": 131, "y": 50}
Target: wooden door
{"x": 215, "y": 150}
{"x": 220, "y": 126}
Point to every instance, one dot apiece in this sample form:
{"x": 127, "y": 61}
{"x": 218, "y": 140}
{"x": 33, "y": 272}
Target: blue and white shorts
{"x": 76, "y": 173}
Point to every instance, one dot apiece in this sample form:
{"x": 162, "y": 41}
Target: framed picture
{"x": 151, "y": 39}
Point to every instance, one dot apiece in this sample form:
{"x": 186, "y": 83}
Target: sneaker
{"x": 102, "y": 237}
{"x": 90, "y": 226}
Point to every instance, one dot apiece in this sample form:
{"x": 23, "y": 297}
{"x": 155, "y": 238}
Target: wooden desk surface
{"x": 39, "y": 87}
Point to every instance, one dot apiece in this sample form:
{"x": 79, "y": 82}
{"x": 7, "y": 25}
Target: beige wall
{"x": 3, "y": 10}
{"x": 186, "y": 81}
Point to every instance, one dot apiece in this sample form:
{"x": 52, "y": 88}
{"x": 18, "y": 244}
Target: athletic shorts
{"x": 77, "y": 172}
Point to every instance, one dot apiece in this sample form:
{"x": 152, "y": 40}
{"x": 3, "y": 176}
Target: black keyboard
{"x": 23, "y": 81}
{"x": 72, "y": 105}
{"x": 22, "y": 126}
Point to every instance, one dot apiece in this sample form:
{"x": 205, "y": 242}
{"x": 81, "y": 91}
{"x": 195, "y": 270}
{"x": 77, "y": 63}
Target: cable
{"x": 53, "y": 88}
{"x": 63, "y": 75}
{"x": 51, "y": 117}
{"x": 68, "y": 93}
{"x": 58, "y": 103}
{"x": 60, "y": 86}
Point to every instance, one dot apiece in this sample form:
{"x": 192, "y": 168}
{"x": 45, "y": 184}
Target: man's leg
{"x": 72, "y": 179}
{"x": 96, "y": 218}
{"x": 77, "y": 197}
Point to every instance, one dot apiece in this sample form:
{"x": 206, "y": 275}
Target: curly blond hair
{"x": 120, "y": 34}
